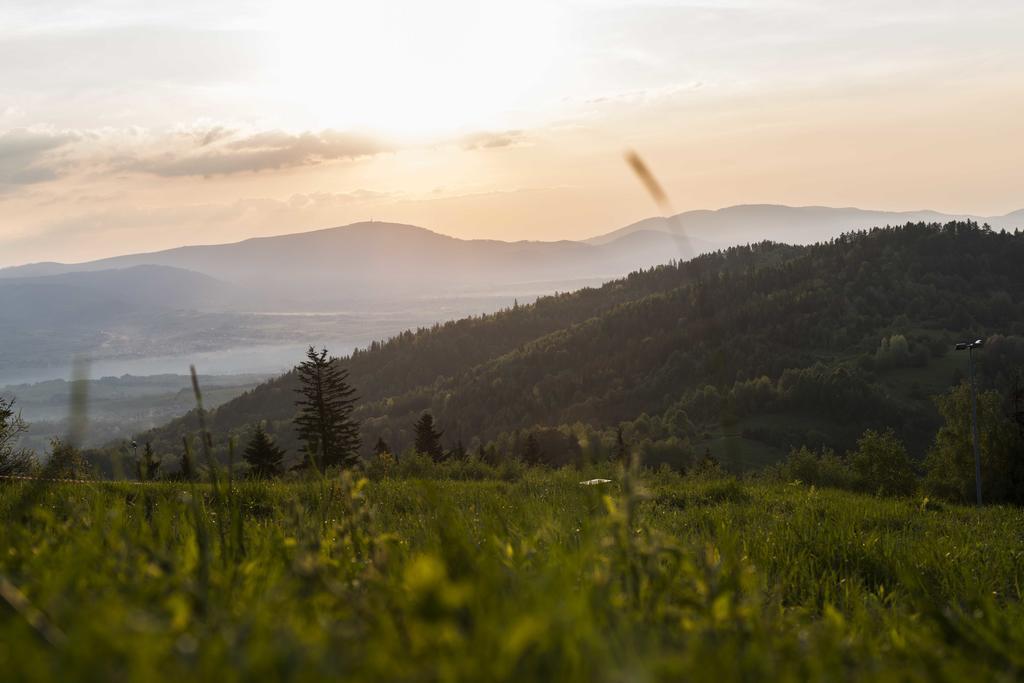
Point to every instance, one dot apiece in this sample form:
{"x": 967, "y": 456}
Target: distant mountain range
{"x": 791, "y": 224}
{"x": 201, "y": 298}
{"x": 369, "y": 263}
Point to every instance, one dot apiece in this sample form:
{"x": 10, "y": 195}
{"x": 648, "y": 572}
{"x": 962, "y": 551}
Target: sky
{"x": 134, "y": 126}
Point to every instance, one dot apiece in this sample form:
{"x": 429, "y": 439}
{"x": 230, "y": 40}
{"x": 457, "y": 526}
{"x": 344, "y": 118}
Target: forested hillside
{"x": 743, "y": 353}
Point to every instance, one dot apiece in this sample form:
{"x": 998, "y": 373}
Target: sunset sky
{"x": 133, "y": 126}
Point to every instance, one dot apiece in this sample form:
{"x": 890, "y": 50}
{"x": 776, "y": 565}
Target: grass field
{"x": 652, "y": 577}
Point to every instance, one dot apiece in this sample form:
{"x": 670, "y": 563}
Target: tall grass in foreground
{"x": 540, "y": 578}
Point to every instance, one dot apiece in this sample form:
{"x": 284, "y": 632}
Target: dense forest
{"x": 740, "y": 355}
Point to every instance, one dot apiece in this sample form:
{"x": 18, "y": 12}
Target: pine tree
{"x": 621, "y": 451}
{"x": 265, "y": 458}
{"x": 186, "y": 469}
{"x": 382, "y": 446}
{"x": 459, "y": 452}
{"x": 428, "y": 440}
{"x": 148, "y": 465}
{"x": 325, "y": 420}
{"x": 531, "y": 452}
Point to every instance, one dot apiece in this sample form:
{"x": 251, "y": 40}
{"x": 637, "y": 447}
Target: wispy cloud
{"x": 221, "y": 155}
{"x": 28, "y": 156}
{"x": 490, "y": 140}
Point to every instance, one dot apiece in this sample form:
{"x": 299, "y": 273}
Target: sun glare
{"x": 412, "y": 69}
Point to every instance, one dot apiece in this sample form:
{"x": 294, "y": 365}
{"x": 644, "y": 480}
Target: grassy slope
{"x": 536, "y": 579}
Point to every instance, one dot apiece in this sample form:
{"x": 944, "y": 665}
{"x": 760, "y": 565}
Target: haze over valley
{"x": 252, "y": 306}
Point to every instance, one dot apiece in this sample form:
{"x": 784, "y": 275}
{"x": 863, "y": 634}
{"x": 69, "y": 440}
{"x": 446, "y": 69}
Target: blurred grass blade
{"x": 35, "y": 618}
{"x": 660, "y": 197}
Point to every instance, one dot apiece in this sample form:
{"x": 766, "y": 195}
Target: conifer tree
{"x": 459, "y": 452}
{"x": 621, "y": 451}
{"x": 325, "y": 420}
{"x": 186, "y": 469}
{"x": 531, "y": 452}
{"x": 265, "y": 458}
{"x": 428, "y": 439}
{"x": 148, "y": 465}
{"x": 382, "y": 446}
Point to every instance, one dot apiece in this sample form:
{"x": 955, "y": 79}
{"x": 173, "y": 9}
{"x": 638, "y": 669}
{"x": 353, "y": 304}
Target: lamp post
{"x": 969, "y": 347}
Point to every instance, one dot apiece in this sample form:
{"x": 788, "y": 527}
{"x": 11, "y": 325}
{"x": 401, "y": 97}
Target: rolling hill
{"x": 744, "y": 353}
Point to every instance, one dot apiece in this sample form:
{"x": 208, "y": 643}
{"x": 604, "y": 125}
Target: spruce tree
{"x": 621, "y": 451}
{"x": 148, "y": 465}
{"x": 531, "y": 452}
{"x": 428, "y": 440}
{"x": 382, "y": 446}
{"x": 187, "y": 470}
{"x": 325, "y": 421}
{"x": 459, "y": 452}
{"x": 265, "y": 458}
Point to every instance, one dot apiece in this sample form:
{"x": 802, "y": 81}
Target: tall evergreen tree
{"x": 325, "y": 420}
{"x": 265, "y": 458}
{"x": 621, "y": 450}
{"x": 148, "y": 466}
{"x": 187, "y": 470}
{"x": 459, "y": 452}
{"x": 532, "y": 454}
{"x": 428, "y": 439}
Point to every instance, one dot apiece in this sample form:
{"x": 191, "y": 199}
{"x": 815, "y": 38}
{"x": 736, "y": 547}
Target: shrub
{"x": 881, "y": 464}
{"x": 823, "y": 468}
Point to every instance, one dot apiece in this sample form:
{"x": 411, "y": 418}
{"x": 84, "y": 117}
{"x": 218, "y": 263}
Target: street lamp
{"x": 969, "y": 347}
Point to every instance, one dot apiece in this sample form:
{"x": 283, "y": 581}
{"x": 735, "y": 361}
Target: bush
{"x": 823, "y": 468}
{"x": 881, "y": 464}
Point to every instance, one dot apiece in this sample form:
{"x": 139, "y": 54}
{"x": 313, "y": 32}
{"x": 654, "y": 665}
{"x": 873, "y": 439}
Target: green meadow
{"x": 524, "y": 576}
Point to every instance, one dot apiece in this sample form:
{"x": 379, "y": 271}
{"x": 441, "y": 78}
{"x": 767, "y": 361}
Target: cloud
{"x": 212, "y": 135}
{"x": 489, "y": 140}
{"x": 28, "y": 157}
{"x": 259, "y": 152}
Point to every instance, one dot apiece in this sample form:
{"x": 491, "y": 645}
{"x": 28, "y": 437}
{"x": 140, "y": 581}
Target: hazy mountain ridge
{"x": 792, "y": 224}
{"x": 373, "y": 261}
{"x": 119, "y": 288}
